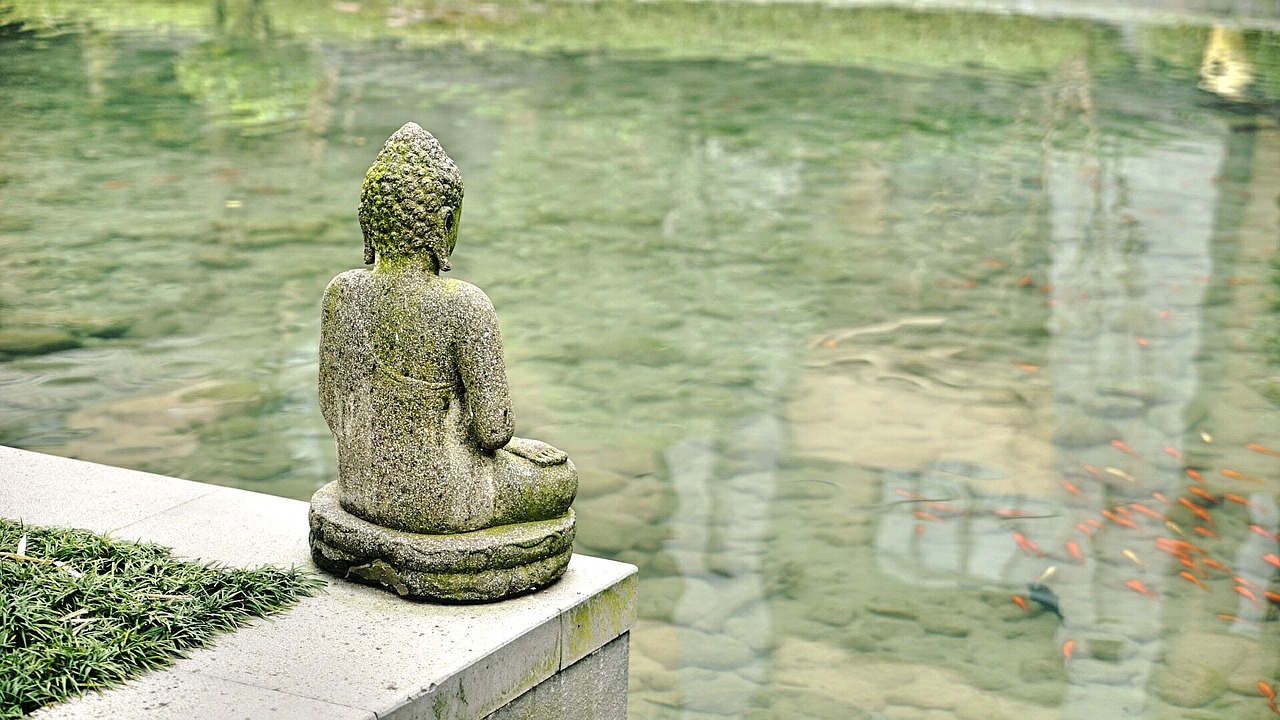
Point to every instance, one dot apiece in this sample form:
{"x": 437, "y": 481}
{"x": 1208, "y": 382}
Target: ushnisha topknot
{"x": 408, "y": 183}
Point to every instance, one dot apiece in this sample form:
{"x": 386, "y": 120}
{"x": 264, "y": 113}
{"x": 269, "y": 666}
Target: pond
{"x": 926, "y": 364}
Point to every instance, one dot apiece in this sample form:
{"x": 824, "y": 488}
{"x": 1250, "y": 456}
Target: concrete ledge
{"x": 350, "y": 652}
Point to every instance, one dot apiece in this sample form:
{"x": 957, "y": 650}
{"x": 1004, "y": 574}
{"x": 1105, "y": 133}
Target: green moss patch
{"x": 79, "y": 611}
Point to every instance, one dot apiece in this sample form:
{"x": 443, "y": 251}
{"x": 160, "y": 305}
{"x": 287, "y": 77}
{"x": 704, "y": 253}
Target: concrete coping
{"x": 349, "y": 652}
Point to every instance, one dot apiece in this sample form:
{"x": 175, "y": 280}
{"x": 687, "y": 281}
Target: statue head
{"x": 411, "y": 201}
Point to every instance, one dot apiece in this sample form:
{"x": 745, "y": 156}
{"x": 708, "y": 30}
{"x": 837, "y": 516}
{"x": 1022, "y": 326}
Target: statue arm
{"x": 484, "y": 374}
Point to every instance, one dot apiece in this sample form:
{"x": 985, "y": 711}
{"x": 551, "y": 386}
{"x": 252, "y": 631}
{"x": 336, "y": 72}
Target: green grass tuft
{"x": 80, "y": 612}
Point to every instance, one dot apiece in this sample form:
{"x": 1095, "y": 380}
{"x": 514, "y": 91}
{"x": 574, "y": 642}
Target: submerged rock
{"x": 35, "y": 341}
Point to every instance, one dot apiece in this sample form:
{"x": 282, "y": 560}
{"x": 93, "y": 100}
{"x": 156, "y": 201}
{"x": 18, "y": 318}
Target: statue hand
{"x": 536, "y": 451}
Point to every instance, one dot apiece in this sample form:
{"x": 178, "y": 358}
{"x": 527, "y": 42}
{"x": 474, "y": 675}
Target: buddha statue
{"x": 434, "y": 497}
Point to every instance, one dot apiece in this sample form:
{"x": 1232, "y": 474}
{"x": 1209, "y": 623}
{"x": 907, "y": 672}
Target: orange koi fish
{"x": 1020, "y": 602}
{"x": 1261, "y": 449}
{"x": 1258, "y": 529}
{"x": 1245, "y": 592}
{"x": 1070, "y": 487}
{"x": 919, "y": 528}
{"x": 1142, "y": 341}
{"x": 1095, "y": 524}
{"x": 1242, "y": 582}
{"x": 1171, "y": 450}
{"x": 1073, "y": 547}
{"x": 1117, "y": 444}
{"x": 1193, "y": 580}
{"x": 1126, "y": 522}
{"x": 1272, "y": 597}
{"x": 1240, "y": 476}
{"x": 1091, "y": 470}
{"x": 1086, "y": 529}
{"x": 1137, "y": 586}
{"x": 1272, "y": 559}
{"x": 1195, "y": 475}
{"x": 1211, "y": 563}
{"x": 1196, "y": 510}
{"x": 1204, "y": 494}
{"x": 926, "y": 516}
{"x": 1265, "y": 690}
{"x": 1159, "y": 496}
{"x": 1206, "y": 532}
{"x": 1236, "y": 499}
{"x": 1068, "y": 649}
{"x": 1027, "y": 544}
{"x": 1146, "y": 511}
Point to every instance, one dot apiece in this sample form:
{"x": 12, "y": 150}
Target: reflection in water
{"x": 851, "y": 357}
{"x": 1226, "y": 69}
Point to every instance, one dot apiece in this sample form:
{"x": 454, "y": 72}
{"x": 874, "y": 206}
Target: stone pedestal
{"x": 477, "y": 566}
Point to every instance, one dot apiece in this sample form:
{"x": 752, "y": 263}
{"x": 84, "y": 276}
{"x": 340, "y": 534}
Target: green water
{"x": 825, "y": 304}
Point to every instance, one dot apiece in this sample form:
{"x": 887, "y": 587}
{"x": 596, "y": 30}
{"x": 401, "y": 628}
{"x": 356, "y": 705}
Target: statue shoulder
{"x": 347, "y": 283}
{"x": 468, "y": 295}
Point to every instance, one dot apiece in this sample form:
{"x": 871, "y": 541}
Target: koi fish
{"x": 1119, "y": 445}
{"x": 1196, "y": 510}
{"x": 1137, "y": 586}
{"x": 1193, "y": 580}
{"x": 1046, "y": 597}
{"x": 1272, "y": 597}
{"x": 1126, "y": 522}
{"x": 1073, "y": 547}
{"x": 1206, "y": 437}
{"x": 1272, "y": 559}
{"x": 1020, "y": 602}
{"x": 1120, "y": 474}
{"x": 1236, "y": 499}
{"x": 1204, "y": 494}
{"x": 1245, "y": 592}
{"x": 1133, "y": 557}
{"x": 1091, "y": 470}
{"x": 1206, "y": 532}
{"x": 1265, "y": 690}
{"x": 1070, "y": 487}
{"x": 1234, "y": 475}
{"x": 1173, "y": 451}
{"x": 1159, "y": 496}
{"x": 1068, "y": 649}
{"x": 1146, "y": 511}
{"x": 1027, "y": 544}
{"x": 1211, "y": 563}
{"x": 1195, "y": 475}
{"x": 1086, "y": 529}
{"x": 926, "y": 516}
{"x": 1258, "y": 529}
{"x": 1142, "y": 341}
{"x": 1261, "y": 449}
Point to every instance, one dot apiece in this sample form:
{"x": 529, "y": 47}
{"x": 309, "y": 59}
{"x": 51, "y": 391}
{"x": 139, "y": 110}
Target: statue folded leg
{"x": 532, "y": 481}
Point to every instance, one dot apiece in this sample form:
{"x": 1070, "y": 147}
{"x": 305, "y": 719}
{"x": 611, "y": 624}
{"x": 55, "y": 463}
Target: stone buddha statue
{"x": 434, "y": 498}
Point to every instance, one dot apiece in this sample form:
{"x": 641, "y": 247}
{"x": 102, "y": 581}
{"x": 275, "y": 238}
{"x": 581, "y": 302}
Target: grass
{"x": 80, "y": 612}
